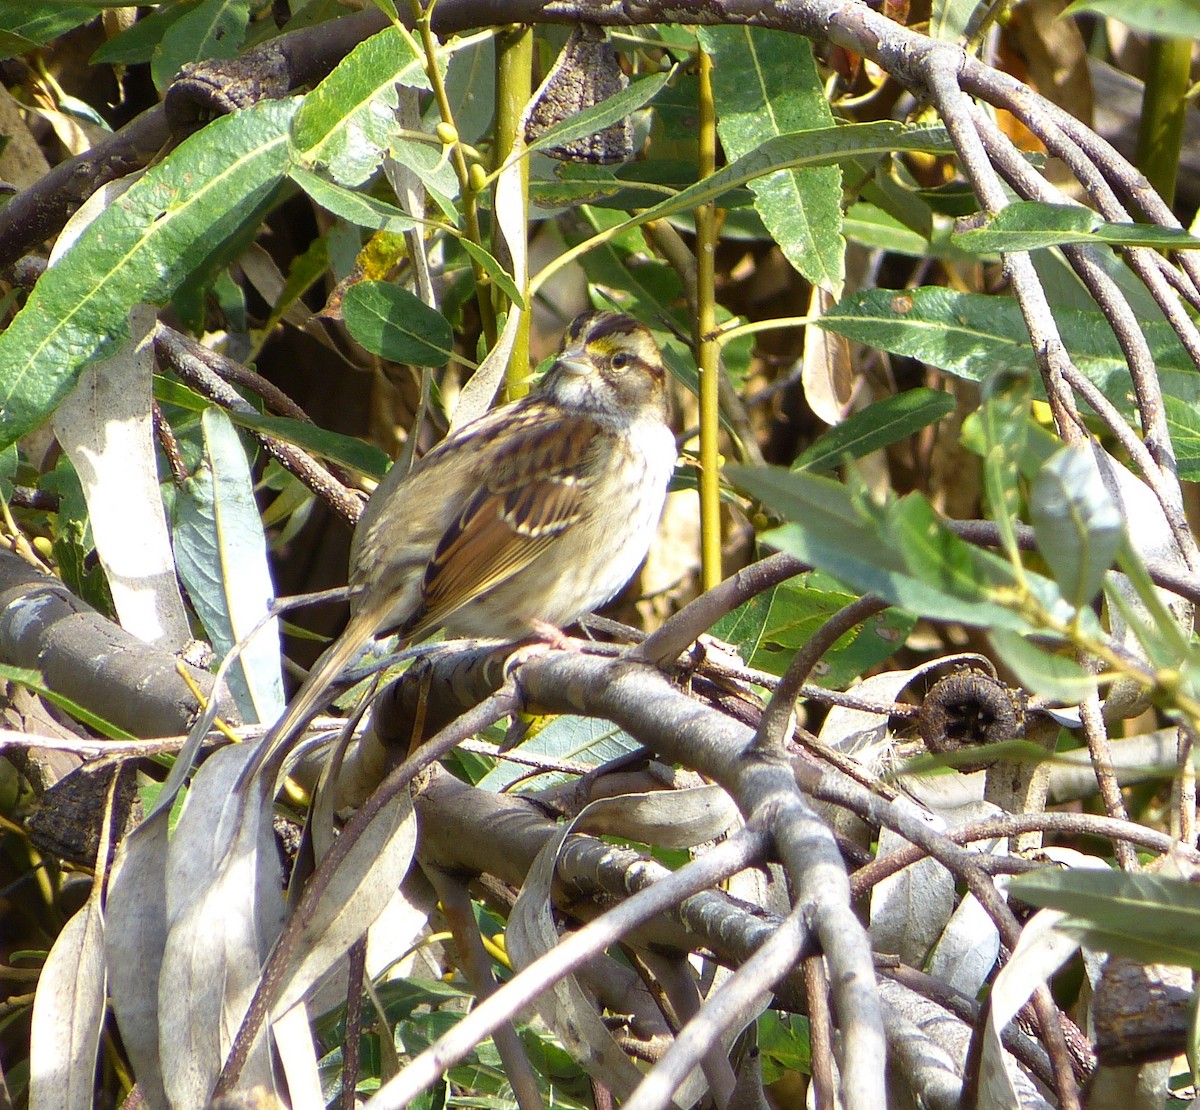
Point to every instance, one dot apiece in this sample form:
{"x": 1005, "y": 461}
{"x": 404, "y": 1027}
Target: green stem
{"x": 1160, "y": 134}
{"x": 514, "y": 87}
{"x": 458, "y": 159}
{"x": 708, "y": 352}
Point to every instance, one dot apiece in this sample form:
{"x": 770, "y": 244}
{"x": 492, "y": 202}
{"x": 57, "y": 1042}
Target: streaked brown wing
{"x": 533, "y": 490}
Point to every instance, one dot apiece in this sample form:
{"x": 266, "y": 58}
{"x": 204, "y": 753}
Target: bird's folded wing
{"x": 532, "y": 493}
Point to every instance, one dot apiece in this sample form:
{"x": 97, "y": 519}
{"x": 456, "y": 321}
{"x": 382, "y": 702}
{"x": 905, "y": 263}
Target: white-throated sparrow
{"x": 528, "y": 517}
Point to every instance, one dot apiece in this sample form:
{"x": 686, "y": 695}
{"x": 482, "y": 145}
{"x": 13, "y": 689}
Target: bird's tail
{"x": 275, "y": 745}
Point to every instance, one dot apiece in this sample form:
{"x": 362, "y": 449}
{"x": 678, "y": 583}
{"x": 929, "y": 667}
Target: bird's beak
{"x": 575, "y": 361}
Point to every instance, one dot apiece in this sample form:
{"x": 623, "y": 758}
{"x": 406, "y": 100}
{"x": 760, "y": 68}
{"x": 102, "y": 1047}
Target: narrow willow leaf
{"x": 600, "y": 116}
{"x": 292, "y": 1039}
{"x": 1183, "y": 421}
{"x": 1078, "y": 526}
{"x": 875, "y": 427}
{"x": 34, "y": 681}
{"x": 221, "y": 553}
{"x": 344, "y": 450}
{"x": 1057, "y": 678}
{"x": 134, "y": 941}
{"x": 834, "y": 536}
{"x": 349, "y": 120}
{"x": 910, "y": 909}
{"x": 966, "y": 952}
{"x": 210, "y": 29}
{"x": 680, "y": 818}
{"x": 949, "y": 19}
{"x": 353, "y": 207}
{"x": 769, "y": 629}
{"x": 877, "y": 229}
{"x": 493, "y": 269}
{"x": 136, "y": 44}
{"x": 470, "y": 86}
{"x": 1004, "y": 419}
{"x": 1149, "y": 622}
{"x": 397, "y": 325}
{"x": 574, "y": 185}
{"x": 354, "y": 898}
{"x": 825, "y": 146}
{"x": 23, "y": 27}
{"x": 105, "y": 426}
{"x": 139, "y": 249}
{"x": 1147, "y": 917}
{"x": 1042, "y": 949}
{"x": 765, "y": 84}
{"x": 1031, "y": 225}
{"x": 565, "y": 1007}
{"x": 224, "y": 911}
{"x": 972, "y": 335}
{"x": 68, "y": 1015}
{"x": 588, "y": 740}
{"x": 933, "y": 554}
{"x": 1182, "y": 17}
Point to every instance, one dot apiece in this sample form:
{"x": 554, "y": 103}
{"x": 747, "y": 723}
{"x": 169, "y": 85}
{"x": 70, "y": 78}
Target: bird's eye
{"x": 619, "y": 360}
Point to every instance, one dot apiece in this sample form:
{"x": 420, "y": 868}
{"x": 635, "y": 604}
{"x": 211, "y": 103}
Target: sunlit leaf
{"x": 396, "y": 324}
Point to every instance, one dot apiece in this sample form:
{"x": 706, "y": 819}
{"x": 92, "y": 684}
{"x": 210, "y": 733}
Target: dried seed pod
{"x": 586, "y": 74}
{"x": 968, "y": 709}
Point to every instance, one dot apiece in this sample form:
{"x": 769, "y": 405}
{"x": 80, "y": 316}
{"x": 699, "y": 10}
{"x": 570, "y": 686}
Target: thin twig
{"x": 742, "y": 849}
{"x": 192, "y": 363}
{"x": 773, "y": 727}
{"x": 1097, "y": 741}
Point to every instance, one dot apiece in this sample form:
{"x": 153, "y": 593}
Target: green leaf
{"x": 576, "y": 183}
{"x": 26, "y": 26}
{"x": 343, "y": 450}
{"x": 769, "y": 629}
{"x": 210, "y": 29}
{"x": 972, "y": 335}
{"x": 1152, "y": 17}
{"x": 221, "y": 554}
{"x": 353, "y": 207}
{"x": 1183, "y": 421}
{"x": 136, "y": 44}
{"x": 432, "y": 169}
{"x": 1027, "y": 225}
{"x": 140, "y": 249}
{"x": 1058, "y": 678}
{"x": 875, "y": 427}
{"x": 604, "y": 114}
{"x": 33, "y": 680}
{"x": 397, "y": 325}
{"x": 937, "y": 557}
{"x": 1078, "y": 525}
{"x": 349, "y": 120}
{"x": 494, "y": 270}
{"x": 872, "y": 227}
{"x": 1146, "y": 917}
{"x": 10, "y": 460}
{"x": 766, "y": 84}
{"x": 823, "y": 146}
{"x": 470, "y": 84}
{"x": 949, "y": 19}
{"x": 907, "y": 558}
{"x": 580, "y": 739}
{"x": 1004, "y": 419}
